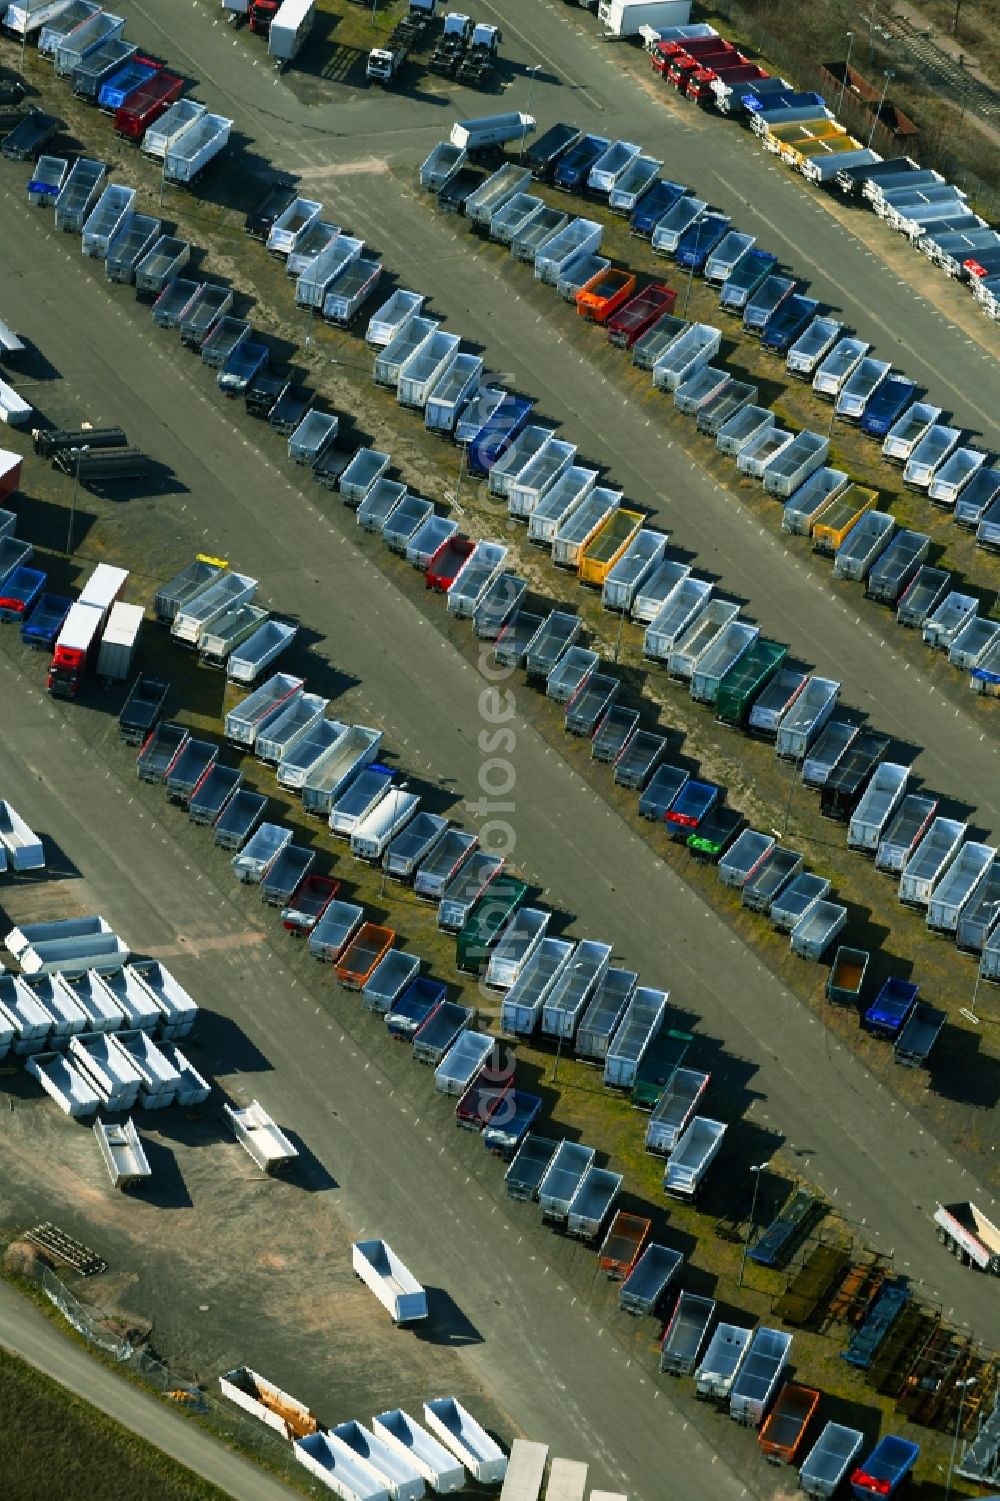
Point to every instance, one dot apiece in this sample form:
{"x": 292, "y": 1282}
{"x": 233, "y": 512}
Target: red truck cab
{"x": 260, "y": 14}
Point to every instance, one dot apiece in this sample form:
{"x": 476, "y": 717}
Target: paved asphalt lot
{"x": 819, "y": 1098}
{"x": 27, "y": 1332}
{"x": 812, "y": 1092}
{"x": 581, "y": 79}
{"x": 957, "y": 758}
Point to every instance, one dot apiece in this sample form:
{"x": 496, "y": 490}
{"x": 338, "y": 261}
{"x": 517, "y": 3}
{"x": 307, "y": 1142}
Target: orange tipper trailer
{"x": 785, "y": 1428}
{"x": 604, "y": 294}
{"x": 357, "y": 963}
{"x": 600, "y": 554}
{"x": 623, "y": 1244}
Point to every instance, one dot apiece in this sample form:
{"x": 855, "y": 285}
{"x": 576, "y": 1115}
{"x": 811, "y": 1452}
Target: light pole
{"x": 843, "y": 86}
{"x": 878, "y": 113}
{"x": 535, "y": 68}
{"x": 559, "y": 1039}
{"x": 962, "y": 1387}
{"x": 697, "y": 242}
{"x": 77, "y": 454}
{"x": 969, "y": 1012}
{"x": 756, "y": 1170}
{"x": 381, "y": 891}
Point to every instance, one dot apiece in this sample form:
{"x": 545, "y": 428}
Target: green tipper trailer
{"x": 665, "y": 1055}
{"x": 487, "y": 921}
{"x": 746, "y": 679}
{"x": 847, "y": 977}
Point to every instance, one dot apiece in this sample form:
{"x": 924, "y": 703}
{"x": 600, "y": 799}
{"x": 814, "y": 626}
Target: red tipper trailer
{"x": 623, "y": 1244}
{"x": 146, "y": 104}
{"x": 681, "y": 68}
{"x": 313, "y": 895}
{"x": 445, "y": 566}
{"x": 261, "y": 14}
{"x": 481, "y": 1099}
{"x": 355, "y": 965}
{"x": 639, "y": 314}
{"x": 782, "y": 1434}
{"x": 77, "y": 639}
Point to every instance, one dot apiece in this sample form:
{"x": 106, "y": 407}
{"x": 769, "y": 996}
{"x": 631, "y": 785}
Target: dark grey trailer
{"x": 778, "y": 699}
{"x": 661, "y": 792}
{"x": 790, "y": 906}
{"x": 173, "y": 302}
{"x": 743, "y": 427}
{"x": 743, "y": 856}
{"x": 187, "y": 769}
{"x": 731, "y": 399}
{"x": 540, "y": 228}
{"x": 590, "y": 1205}
{"x": 639, "y": 759}
{"x": 862, "y": 545}
{"x": 213, "y": 793}
{"x": 804, "y": 507}
{"x": 919, "y": 1034}
{"x": 281, "y": 880}
{"x": 881, "y": 798}
{"x": 909, "y": 826}
{"x": 573, "y": 987}
{"x": 212, "y": 302}
{"x": 440, "y": 1030}
{"x": 170, "y": 597}
{"x": 567, "y": 1169}
{"x": 977, "y": 498}
{"x": 442, "y": 863}
{"x": 958, "y": 886}
{"x": 949, "y": 618}
{"x": 570, "y": 673}
{"x": 981, "y": 914}
{"x": 815, "y": 931}
{"x": 654, "y": 591}
{"x": 158, "y": 268}
{"x": 633, "y": 1036}
{"x": 531, "y": 1163}
{"x": 644, "y": 1287}
{"x": 131, "y": 248}
{"x": 389, "y": 979}
{"x": 515, "y": 638}
{"x": 674, "y": 1108}
{"x": 929, "y": 861}
{"x": 335, "y": 929}
{"x": 413, "y": 845}
{"x": 366, "y": 467}
{"x": 921, "y": 597}
{"x": 590, "y": 703}
{"x": 651, "y": 346}
{"x": 602, "y": 1016}
{"x": 770, "y": 876}
{"x": 239, "y": 817}
{"x": 498, "y": 604}
{"x": 554, "y": 636}
{"x": 79, "y": 194}
{"x": 613, "y": 733}
{"x": 897, "y": 566}
{"x": 686, "y": 1333}
{"x": 405, "y": 521}
{"x": 378, "y": 505}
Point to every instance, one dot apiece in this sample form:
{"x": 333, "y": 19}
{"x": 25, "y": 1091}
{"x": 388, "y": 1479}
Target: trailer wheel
{"x": 943, "y": 1237}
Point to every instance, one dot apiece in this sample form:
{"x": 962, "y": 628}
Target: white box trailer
{"x": 392, "y": 317}
{"x": 292, "y": 225}
{"x": 262, "y": 1399}
{"x": 627, "y": 17}
{"x": 401, "y": 1433}
{"x": 381, "y": 1270}
{"x": 404, "y": 1482}
{"x": 458, "y": 1429}
{"x": 339, "y": 1468}
{"x": 110, "y": 217}
{"x": 85, "y": 38}
{"x": 123, "y": 1153}
{"x": 261, "y": 708}
{"x": 311, "y": 286}
{"x": 829, "y": 1460}
{"x": 758, "y": 1377}
{"x": 64, "y": 1083}
{"x": 21, "y": 846}
{"x": 119, "y": 642}
{"x": 289, "y": 29}
{"x": 676, "y": 615}
{"x": 804, "y": 508}
{"x": 863, "y": 545}
{"x": 258, "y": 1135}
{"x": 221, "y": 595}
{"x": 248, "y": 661}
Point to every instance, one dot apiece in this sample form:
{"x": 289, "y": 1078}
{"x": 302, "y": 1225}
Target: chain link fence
{"x": 236, "y": 1430}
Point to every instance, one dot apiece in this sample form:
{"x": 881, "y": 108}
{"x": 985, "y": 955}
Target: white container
{"x": 485, "y": 1460}
{"x": 123, "y": 1153}
{"x": 262, "y": 1399}
{"x": 410, "y": 1441}
{"x": 119, "y": 641}
{"x": 64, "y": 1083}
{"x": 405, "y": 1483}
{"x": 22, "y": 847}
{"x": 290, "y": 28}
{"x": 258, "y": 1135}
{"x": 338, "y": 1468}
{"x": 395, "y": 1286}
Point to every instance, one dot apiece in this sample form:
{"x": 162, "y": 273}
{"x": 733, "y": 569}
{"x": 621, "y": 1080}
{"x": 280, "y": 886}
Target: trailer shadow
{"x": 166, "y": 1187}
{"x": 729, "y": 1179}
{"x": 959, "y": 1071}
{"x": 33, "y": 365}
{"x": 222, "y": 181}
{"x": 227, "y": 1047}
{"x": 307, "y": 1172}
{"x": 58, "y": 865}
{"x": 446, "y": 1324}
{"x": 201, "y": 1126}
{"x": 158, "y": 480}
